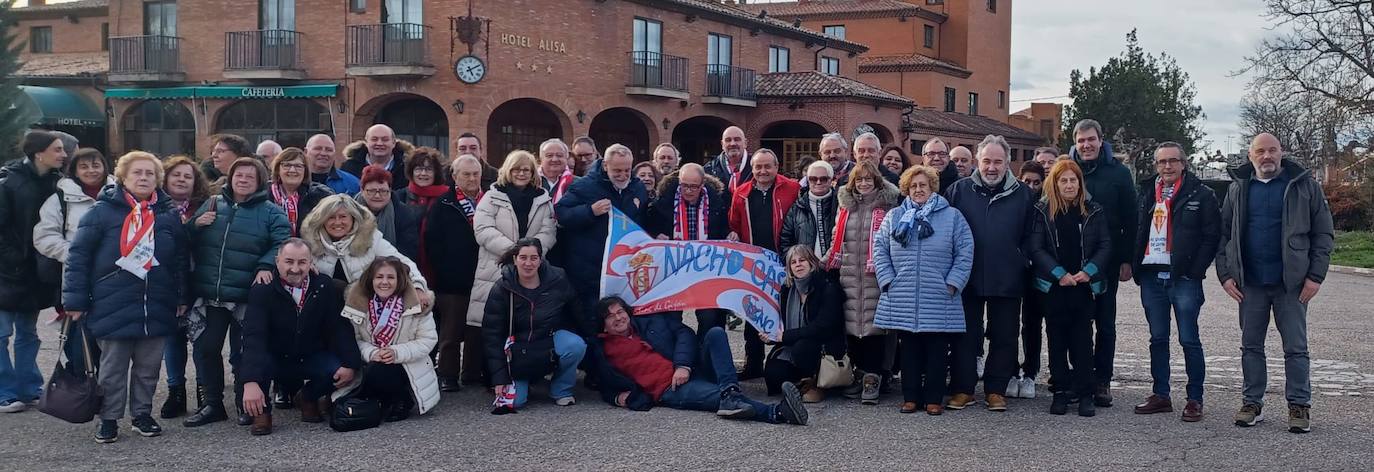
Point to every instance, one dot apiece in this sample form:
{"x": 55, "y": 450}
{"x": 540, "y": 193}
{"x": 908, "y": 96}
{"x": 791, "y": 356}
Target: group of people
{"x": 395, "y": 273}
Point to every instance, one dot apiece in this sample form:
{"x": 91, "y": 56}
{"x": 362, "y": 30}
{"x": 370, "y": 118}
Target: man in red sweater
{"x": 638, "y": 371}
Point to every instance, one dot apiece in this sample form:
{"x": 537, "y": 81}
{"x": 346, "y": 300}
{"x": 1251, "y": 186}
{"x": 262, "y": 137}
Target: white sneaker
{"x": 1027, "y": 387}
{"x": 1014, "y": 388}
{"x": 13, "y": 406}
{"x": 981, "y": 360}
{"x": 565, "y": 401}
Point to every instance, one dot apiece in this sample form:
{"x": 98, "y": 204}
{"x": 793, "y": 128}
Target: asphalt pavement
{"x": 460, "y": 434}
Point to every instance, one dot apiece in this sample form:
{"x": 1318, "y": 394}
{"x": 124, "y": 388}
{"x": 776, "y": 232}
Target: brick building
{"x": 64, "y": 65}
{"x": 1043, "y": 119}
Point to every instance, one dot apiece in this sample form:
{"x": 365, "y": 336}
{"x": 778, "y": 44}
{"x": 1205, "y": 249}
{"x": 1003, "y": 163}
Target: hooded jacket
{"x": 860, "y": 287}
{"x": 118, "y": 304}
{"x": 355, "y": 251}
{"x": 414, "y": 339}
{"x": 22, "y": 193}
{"x": 1308, "y": 232}
{"x": 536, "y": 315}
{"x": 784, "y": 195}
{"x": 497, "y": 230}
{"x": 243, "y": 240}
{"x": 915, "y": 277}
{"x": 355, "y": 156}
{"x": 1110, "y": 184}
{"x": 1043, "y": 247}
{"x": 663, "y": 211}
{"x": 582, "y": 233}
{"x": 1194, "y": 233}
{"x": 1000, "y": 222}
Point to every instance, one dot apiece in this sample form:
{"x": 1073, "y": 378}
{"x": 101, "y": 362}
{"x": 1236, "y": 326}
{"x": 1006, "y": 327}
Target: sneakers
{"x": 1103, "y": 397}
{"x": 981, "y": 362}
{"x": 731, "y": 406}
{"x": 869, "y": 394}
{"x": 1249, "y": 415}
{"x": 146, "y": 427}
{"x": 1299, "y": 418}
{"x": 1014, "y": 388}
{"x": 175, "y": 406}
{"x": 1060, "y": 404}
{"x": 1155, "y": 404}
{"x": 13, "y": 406}
{"x": 855, "y": 390}
{"x": 1087, "y": 409}
{"x": 280, "y": 400}
{"x": 1027, "y": 389}
{"x": 1193, "y": 412}
{"x": 108, "y": 432}
{"x": 565, "y": 401}
{"x": 959, "y": 401}
{"x": 791, "y": 410}
{"x": 996, "y": 402}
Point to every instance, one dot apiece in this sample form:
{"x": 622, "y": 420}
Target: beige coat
{"x": 861, "y": 287}
{"x": 496, "y": 231}
{"x": 415, "y": 338}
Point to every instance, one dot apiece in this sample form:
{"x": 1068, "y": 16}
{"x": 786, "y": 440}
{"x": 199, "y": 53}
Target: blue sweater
{"x": 1262, "y": 251}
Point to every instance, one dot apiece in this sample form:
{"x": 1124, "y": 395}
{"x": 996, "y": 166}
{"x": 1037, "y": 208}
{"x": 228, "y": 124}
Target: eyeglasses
{"x": 293, "y": 166}
{"x": 377, "y": 192}
{"x": 1169, "y": 162}
{"x": 817, "y": 179}
{"x": 935, "y": 154}
{"x": 424, "y": 169}
{"x": 522, "y": 170}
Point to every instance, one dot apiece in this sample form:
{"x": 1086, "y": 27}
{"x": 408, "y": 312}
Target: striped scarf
{"x": 690, "y": 227}
{"x": 136, "y": 237}
{"x": 289, "y": 201}
{"x": 386, "y": 317}
{"x": 833, "y": 260}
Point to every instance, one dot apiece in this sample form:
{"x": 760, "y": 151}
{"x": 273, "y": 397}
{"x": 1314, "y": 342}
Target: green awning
{"x": 224, "y": 92}
{"x": 60, "y": 107}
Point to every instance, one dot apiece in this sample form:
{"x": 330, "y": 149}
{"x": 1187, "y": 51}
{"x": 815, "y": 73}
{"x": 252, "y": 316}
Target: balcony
{"x": 146, "y": 59}
{"x": 263, "y": 55}
{"x": 388, "y": 50}
{"x": 730, "y": 85}
{"x": 654, "y": 74}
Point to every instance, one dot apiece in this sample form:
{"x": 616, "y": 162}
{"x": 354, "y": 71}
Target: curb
{"x": 1352, "y": 270}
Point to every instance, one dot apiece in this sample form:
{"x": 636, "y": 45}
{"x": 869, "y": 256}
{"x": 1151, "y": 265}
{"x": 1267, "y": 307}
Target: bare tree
{"x": 1326, "y": 48}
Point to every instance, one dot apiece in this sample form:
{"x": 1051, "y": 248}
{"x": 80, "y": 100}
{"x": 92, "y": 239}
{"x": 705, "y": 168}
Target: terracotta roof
{"x": 74, "y": 64}
{"x": 736, "y": 15}
{"x": 911, "y": 62}
{"x": 816, "y": 84}
{"x": 99, "y": 7}
{"x": 843, "y": 9}
{"x": 970, "y": 126}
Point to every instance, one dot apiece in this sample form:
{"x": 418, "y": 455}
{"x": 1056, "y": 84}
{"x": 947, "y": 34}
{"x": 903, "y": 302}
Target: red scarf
{"x": 424, "y": 196}
{"x": 137, "y": 233}
{"x": 385, "y": 316}
{"x": 561, "y": 185}
{"x": 837, "y": 245}
{"x": 183, "y": 209}
{"x": 680, "y": 225}
{"x": 469, "y": 205}
{"x": 289, "y": 201}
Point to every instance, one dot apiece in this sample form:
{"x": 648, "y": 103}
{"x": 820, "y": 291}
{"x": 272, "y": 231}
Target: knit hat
{"x": 375, "y": 173}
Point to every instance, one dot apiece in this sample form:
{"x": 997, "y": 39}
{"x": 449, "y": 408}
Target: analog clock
{"x": 470, "y": 69}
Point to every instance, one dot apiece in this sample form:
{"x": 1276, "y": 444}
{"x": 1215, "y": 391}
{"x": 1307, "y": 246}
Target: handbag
{"x": 529, "y": 360}
{"x": 354, "y": 412}
{"x": 835, "y": 372}
{"x": 74, "y": 397}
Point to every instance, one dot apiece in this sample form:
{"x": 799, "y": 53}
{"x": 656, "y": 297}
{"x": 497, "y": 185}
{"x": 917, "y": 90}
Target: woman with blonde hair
{"x": 516, "y": 207}
{"x": 344, "y": 240}
{"x": 1069, "y": 246}
{"x": 812, "y": 321}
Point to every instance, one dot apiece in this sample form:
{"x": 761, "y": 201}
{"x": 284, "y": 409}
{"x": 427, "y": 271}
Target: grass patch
{"x": 1354, "y": 249}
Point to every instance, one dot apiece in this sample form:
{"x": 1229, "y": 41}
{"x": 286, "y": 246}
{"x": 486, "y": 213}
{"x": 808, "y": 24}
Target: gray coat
{"x": 1308, "y": 232}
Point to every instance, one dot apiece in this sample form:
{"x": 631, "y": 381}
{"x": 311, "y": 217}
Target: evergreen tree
{"x": 13, "y": 107}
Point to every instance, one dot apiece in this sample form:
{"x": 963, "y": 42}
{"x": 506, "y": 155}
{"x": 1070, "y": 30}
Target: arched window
{"x": 418, "y": 121}
{"x": 162, "y": 127}
{"x": 288, "y": 122}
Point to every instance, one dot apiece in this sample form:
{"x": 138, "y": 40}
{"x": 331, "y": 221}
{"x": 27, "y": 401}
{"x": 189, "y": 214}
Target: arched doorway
{"x": 883, "y": 133}
{"x": 162, "y": 127}
{"x": 522, "y": 123}
{"x": 791, "y": 140}
{"x": 288, "y": 122}
{"x": 417, "y": 120}
{"x": 698, "y": 138}
{"x": 624, "y": 126}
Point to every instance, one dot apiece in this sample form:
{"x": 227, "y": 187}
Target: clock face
{"x": 470, "y": 69}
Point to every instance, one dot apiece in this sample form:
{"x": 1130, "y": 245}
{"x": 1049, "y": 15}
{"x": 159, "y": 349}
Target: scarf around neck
{"x": 841, "y": 221}
{"x": 917, "y": 216}
{"x": 468, "y": 204}
{"x": 681, "y": 224}
{"x": 385, "y": 315}
{"x": 425, "y": 195}
{"x": 289, "y": 201}
{"x": 560, "y": 185}
{"x": 136, "y": 242}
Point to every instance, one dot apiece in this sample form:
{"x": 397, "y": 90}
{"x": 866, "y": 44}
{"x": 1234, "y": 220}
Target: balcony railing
{"x": 726, "y": 81}
{"x": 658, "y": 71}
{"x": 387, "y": 44}
{"x": 262, "y": 50}
{"x": 145, "y": 55}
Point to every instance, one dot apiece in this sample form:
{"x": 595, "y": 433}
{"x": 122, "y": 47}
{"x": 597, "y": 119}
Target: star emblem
{"x": 548, "y": 69}
{"x": 534, "y": 68}
{"x": 519, "y": 66}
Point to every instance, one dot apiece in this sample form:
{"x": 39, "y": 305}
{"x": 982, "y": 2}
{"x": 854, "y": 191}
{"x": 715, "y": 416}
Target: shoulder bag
{"x": 74, "y": 397}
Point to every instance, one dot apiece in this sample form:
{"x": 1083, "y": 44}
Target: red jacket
{"x": 637, "y": 360}
{"x": 785, "y": 193}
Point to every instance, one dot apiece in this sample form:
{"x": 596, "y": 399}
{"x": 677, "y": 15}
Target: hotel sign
{"x": 541, "y": 44}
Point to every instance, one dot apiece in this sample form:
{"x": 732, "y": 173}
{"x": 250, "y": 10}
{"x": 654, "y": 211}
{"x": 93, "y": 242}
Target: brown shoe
{"x": 310, "y": 410}
{"x": 959, "y": 401}
{"x": 909, "y": 407}
{"x": 1154, "y": 404}
{"x": 810, "y": 394}
{"x": 262, "y": 425}
{"x": 934, "y": 409}
{"x": 1192, "y": 413}
{"x": 996, "y": 402}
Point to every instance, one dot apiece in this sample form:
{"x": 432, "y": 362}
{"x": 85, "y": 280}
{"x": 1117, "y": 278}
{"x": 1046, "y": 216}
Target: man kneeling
{"x": 653, "y": 359}
{"x": 294, "y": 336}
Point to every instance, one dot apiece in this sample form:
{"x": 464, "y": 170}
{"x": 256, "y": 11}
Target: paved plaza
{"x": 843, "y": 435}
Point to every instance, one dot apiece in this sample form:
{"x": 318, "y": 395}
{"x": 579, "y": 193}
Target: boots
{"x": 262, "y": 424}
{"x": 175, "y": 405}
{"x": 200, "y": 397}
{"x": 310, "y": 409}
{"x": 207, "y": 414}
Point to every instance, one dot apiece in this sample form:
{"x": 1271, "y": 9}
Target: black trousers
{"x": 753, "y": 346}
{"x": 208, "y": 349}
{"x": 387, "y": 383}
{"x": 1003, "y": 316}
{"x": 805, "y": 362}
{"x": 872, "y": 354}
{"x": 1069, "y": 326}
{"x": 1032, "y": 325}
{"x": 1104, "y": 320}
{"x": 925, "y": 365}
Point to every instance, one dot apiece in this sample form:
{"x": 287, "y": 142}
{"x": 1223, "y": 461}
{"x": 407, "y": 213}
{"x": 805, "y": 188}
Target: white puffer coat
{"x": 415, "y": 338}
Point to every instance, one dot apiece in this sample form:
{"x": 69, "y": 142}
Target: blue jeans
{"x": 570, "y": 348}
{"x": 1185, "y": 297}
{"x": 713, "y": 373}
{"x": 20, "y": 378}
{"x": 174, "y": 356}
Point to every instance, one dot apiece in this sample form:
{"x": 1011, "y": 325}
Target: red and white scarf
{"x": 1159, "y": 244}
{"x": 137, "y": 236}
{"x": 469, "y": 205}
{"x": 385, "y": 316}
{"x": 680, "y": 225}
{"x": 297, "y": 293}
{"x": 735, "y": 172}
{"x": 561, "y": 185}
{"x": 289, "y": 201}
{"x": 183, "y": 209}
{"x": 832, "y": 261}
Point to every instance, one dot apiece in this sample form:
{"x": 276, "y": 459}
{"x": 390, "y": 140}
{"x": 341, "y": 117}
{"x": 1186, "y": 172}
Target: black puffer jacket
{"x": 22, "y": 193}
{"x": 581, "y": 233}
{"x": 1196, "y": 228}
{"x": 356, "y": 160}
{"x": 450, "y": 246}
{"x": 663, "y": 211}
{"x": 276, "y": 333}
{"x": 799, "y": 226}
{"x": 1043, "y": 248}
{"x": 537, "y": 314}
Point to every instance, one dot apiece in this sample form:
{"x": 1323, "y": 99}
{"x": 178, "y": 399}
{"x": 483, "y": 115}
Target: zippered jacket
{"x": 243, "y": 240}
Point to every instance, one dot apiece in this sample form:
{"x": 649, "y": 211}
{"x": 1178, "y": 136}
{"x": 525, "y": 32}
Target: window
{"x": 830, "y": 65}
{"x": 104, "y": 36}
{"x": 949, "y": 99}
{"x": 357, "y": 6}
{"x": 160, "y": 18}
{"x": 277, "y": 15}
{"x": 40, "y": 39}
{"x": 162, "y": 127}
{"x": 935, "y": 2}
{"x": 648, "y": 37}
{"x": 718, "y": 50}
{"x": 834, "y": 31}
{"x": 930, "y": 36}
{"x": 1001, "y": 99}
{"x": 289, "y": 122}
{"x": 992, "y": 6}
{"x": 402, "y": 11}
{"x": 779, "y": 59}
{"x": 972, "y": 103}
